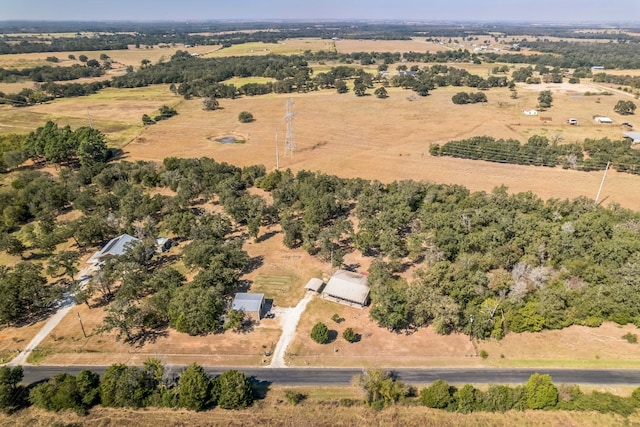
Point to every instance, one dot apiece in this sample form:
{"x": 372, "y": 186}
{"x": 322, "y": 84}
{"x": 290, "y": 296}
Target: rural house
{"x": 115, "y": 247}
{"x": 251, "y": 304}
{"x": 347, "y": 288}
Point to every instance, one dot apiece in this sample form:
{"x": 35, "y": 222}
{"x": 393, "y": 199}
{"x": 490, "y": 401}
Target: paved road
{"x": 340, "y": 376}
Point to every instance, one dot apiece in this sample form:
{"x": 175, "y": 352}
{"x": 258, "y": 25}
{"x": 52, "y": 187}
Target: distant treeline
{"x": 592, "y": 154}
{"x": 49, "y": 73}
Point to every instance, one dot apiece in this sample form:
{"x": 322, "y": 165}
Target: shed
{"x": 115, "y": 247}
{"x": 251, "y": 304}
{"x": 314, "y": 285}
{"x": 348, "y": 288}
{"x": 634, "y": 136}
{"x": 602, "y": 119}
{"x": 530, "y": 112}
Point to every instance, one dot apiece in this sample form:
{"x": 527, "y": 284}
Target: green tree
{"x": 320, "y": 333}
{"x": 245, "y": 117}
{"x": 541, "y": 392}
{"x": 545, "y": 98}
{"x": 381, "y": 388}
{"x": 381, "y": 93}
{"x": 438, "y": 395}
{"x": 235, "y": 390}
{"x": 146, "y": 120}
{"x": 124, "y": 386}
{"x": 234, "y": 320}
{"x": 466, "y": 397}
{"x": 360, "y": 89}
{"x": 194, "y": 388}
{"x": 64, "y": 391}
{"x": 195, "y": 310}
{"x": 210, "y": 104}
{"x": 625, "y": 107}
{"x": 10, "y": 389}
{"x": 341, "y": 86}
{"x": 349, "y": 335}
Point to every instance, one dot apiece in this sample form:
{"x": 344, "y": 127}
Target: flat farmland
{"x": 389, "y": 139}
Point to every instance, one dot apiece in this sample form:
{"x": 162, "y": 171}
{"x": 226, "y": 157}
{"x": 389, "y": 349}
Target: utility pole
{"x": 277, "y": 155}
{"x": 602, "y": 182}
{"x": 89, "y": 117}
{"x": 81, "y": 325}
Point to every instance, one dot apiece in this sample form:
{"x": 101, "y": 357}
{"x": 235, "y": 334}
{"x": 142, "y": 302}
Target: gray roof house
{"x": 250, "y": 304}
{"x": 347, "y": 288}
{"x": 115, "y": 247}
{"x": 634, "y": 136}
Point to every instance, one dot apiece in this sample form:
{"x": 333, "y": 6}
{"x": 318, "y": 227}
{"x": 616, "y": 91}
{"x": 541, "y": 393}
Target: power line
{"x": 289, "y": 142}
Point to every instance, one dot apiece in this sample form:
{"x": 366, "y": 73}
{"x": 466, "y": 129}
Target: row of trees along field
{"x": 153, "y": 385}
{"x": 204, "y": 77}
{"x": 538, "y": 393}
{"x": 487, "y": 263}
{"x": 591, "y": 154}
{"x": 121, "y": 386}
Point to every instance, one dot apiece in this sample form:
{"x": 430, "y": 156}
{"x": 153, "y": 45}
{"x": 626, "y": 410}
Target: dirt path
{"x": 289, "y": 318}
{"x": 64, "y": 306}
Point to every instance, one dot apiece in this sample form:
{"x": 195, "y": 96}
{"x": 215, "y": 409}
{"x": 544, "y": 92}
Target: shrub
{"x": 438, "y": 395}
{"x": 235, "y": 390}
{"x": 350, "y": 335}
{"x": 294, "y": 397}
{"x": 336, "y": 318}
{"x": 245, "y": 117}
{"x": 484, "y": 354}
{"x": 630, "y": 338}
{"x": 320, "y": 333}
{"x": 541, "y": 392}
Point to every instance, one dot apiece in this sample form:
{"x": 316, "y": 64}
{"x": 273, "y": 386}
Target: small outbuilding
{"x": 115, "y": 247}
{"x": 251, "y": 304}
{"x": 347, "y": 287}
{"x": 602, "y": 119}
{"x": 314, "y": 285}
{"x": 530, "y": 112}
{"x": 634, "y": 136}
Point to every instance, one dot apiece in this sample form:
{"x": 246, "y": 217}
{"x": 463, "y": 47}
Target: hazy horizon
{"x": 517, "y": 11}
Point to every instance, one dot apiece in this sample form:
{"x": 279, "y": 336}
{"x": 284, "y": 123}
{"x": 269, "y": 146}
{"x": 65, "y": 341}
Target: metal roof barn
{"x": 347, "y": 287}
{"x": 248, "y": 303}
{"x": 116, "y": 247}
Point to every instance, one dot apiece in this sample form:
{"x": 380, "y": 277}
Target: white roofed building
{"x": 347, "y": 287}
{"x": 115, "y": 247}
{"x": 251, "y": 304}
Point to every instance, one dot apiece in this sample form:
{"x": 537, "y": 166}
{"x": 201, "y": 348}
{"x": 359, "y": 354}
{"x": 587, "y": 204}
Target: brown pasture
{"x": 389, "y": 139}
{"x": 317, "y": 412}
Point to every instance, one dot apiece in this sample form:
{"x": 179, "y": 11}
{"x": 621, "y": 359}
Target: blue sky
{"x": 183, "y": 10}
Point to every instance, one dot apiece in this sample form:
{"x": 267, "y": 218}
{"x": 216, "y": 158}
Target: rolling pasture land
{"x": 349, "y": 136}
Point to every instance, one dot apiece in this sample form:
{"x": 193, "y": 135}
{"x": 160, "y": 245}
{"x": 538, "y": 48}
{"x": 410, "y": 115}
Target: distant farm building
{"x": 633, "y": 136}
{"x": 115, "y": 247}
{"x": 597, "y": 68}
{"x": 602, "y": 119}
{"x": 530, "y": 112}
{"x": 314, "y": 285}
{"x": 251, "y": 304}
{"x": 546, "y": 119}
{"x": 346, "y": 287}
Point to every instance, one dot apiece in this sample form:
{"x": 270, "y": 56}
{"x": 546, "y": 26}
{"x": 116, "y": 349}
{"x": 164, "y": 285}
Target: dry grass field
{"x": 389, "y": 139}
{"x": 327, "y": 412}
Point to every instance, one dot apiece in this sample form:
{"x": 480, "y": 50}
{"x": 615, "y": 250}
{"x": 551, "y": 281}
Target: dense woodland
{"x": 487, "y": 263}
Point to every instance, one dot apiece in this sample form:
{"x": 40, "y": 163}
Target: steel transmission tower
{"x": 289, "y": 142}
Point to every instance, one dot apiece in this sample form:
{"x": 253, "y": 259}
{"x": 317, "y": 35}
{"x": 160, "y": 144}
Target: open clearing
{"x": 389, "y": 139}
